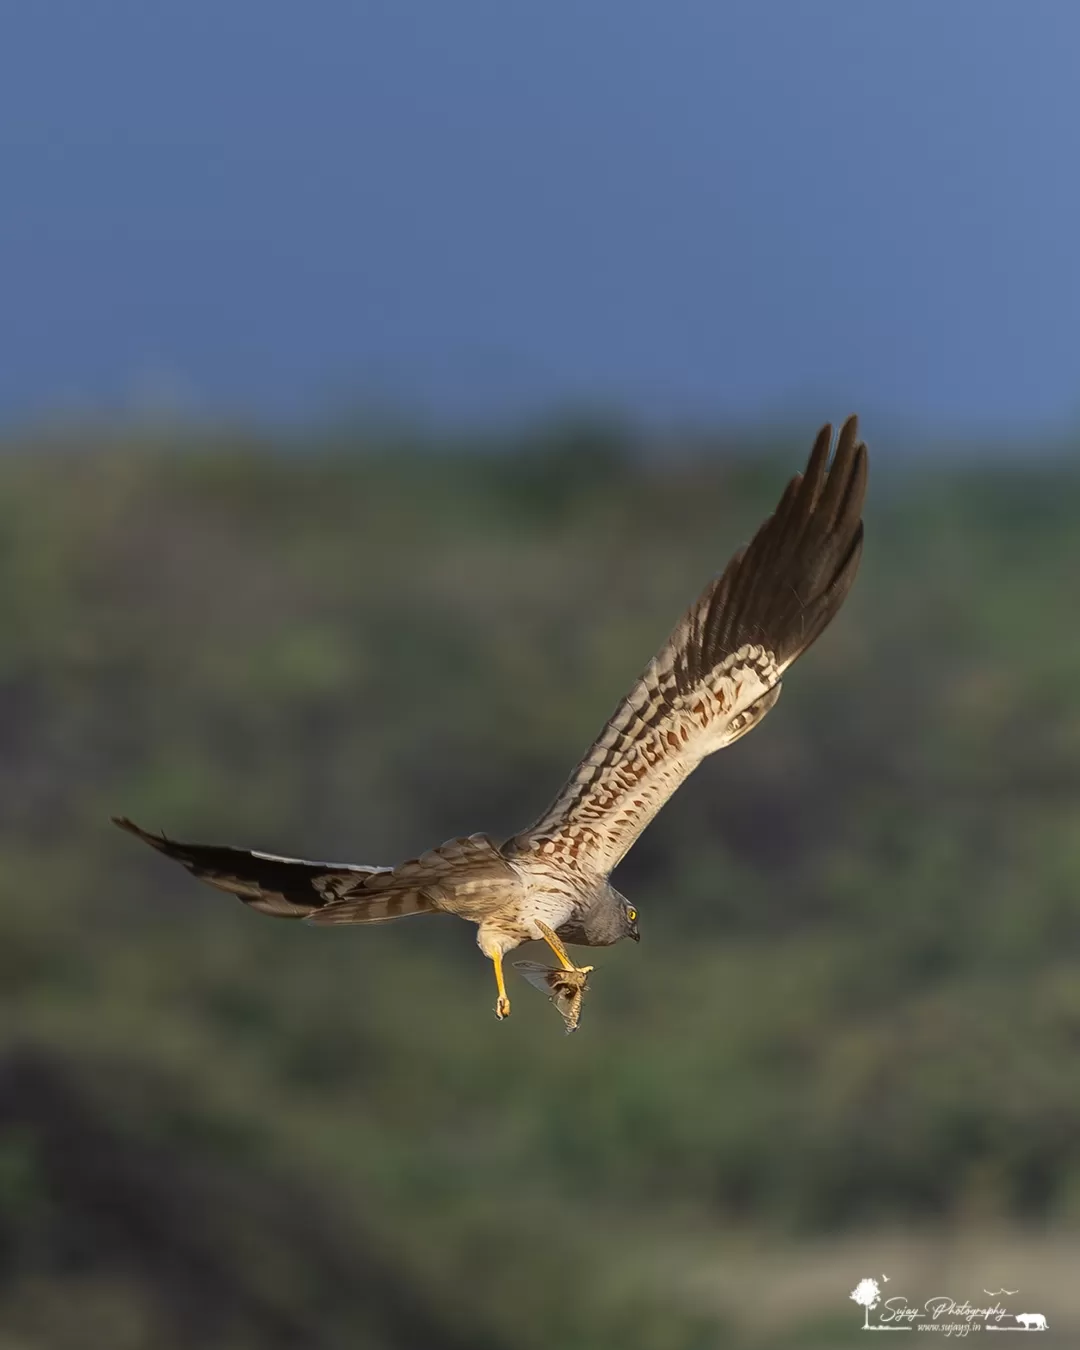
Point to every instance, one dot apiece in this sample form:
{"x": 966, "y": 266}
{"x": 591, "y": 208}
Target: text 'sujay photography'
{"x": 428, "y": 439}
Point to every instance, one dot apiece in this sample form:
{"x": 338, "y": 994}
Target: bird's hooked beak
{"x": 635, "y": 934}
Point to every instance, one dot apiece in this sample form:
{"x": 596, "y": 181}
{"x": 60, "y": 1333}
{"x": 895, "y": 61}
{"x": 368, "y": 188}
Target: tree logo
{"x": 867, "y": 1294}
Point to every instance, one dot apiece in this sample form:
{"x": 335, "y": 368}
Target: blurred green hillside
{"x": 855, "y": 1008}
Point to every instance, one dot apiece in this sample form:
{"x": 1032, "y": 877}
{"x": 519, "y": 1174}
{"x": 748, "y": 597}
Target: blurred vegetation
{"x": 857, "y": 999}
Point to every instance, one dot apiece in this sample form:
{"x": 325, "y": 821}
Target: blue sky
{"x": 473, "y": 208}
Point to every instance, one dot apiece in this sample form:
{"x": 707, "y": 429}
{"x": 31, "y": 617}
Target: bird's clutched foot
{"x": 564, "y": 985}
{"x": 502, "y": 1007}
{"x": 565, "y": 988}
{"x": 555, "y": 943}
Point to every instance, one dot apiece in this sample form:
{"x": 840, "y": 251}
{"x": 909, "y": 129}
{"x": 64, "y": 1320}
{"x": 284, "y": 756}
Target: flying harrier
{"x": 713, "y": 680}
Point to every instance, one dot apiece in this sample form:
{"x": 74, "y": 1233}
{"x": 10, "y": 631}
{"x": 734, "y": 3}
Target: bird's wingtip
{"x": 126, "y": 823}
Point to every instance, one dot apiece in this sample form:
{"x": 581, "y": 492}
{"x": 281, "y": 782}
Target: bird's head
{"x": 609, "y": 917}
{"x": 615, "y": 917}
{"x": 629, "y": 916}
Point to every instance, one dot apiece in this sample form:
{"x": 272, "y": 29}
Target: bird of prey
{"x": 714, "y": 679}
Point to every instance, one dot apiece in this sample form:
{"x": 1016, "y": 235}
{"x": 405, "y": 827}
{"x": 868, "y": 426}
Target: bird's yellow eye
{"x": 631, "y": 913}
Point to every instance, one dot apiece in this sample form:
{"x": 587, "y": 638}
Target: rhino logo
{"x": 1032, "y": 1321}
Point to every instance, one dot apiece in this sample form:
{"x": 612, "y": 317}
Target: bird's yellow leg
{"x": 555, "y": 943}
{"x": 502, "y": 1006}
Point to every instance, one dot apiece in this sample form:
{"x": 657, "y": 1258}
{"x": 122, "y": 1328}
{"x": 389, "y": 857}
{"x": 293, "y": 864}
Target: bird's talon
{"x": 502, "y": 1007}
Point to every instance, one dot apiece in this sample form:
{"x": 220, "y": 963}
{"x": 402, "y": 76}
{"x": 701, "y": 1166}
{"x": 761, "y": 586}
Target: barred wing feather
{"x": 719, "y": 672}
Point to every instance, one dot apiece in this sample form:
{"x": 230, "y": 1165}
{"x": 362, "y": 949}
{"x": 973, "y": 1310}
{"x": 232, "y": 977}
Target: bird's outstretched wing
{"x": 719, "y": 672}
{"x": 337, "y": 893}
